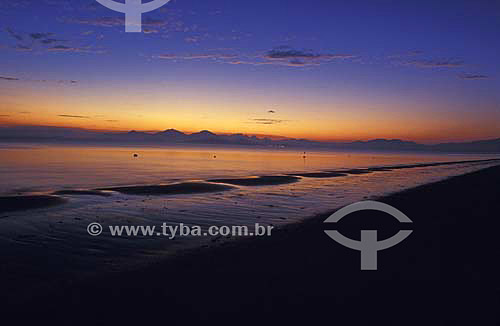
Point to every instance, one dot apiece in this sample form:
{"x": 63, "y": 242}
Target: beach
{"x": 445, "y": 273}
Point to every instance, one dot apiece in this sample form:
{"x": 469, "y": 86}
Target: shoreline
{"x": 10, "y": 203}
{"x": 300, "y": 271}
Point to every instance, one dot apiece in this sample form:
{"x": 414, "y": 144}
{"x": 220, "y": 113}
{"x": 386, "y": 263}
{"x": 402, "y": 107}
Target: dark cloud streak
{"x": 473, "y": 76}
{"x": 267, "y": 121}
{"x": 447, "y": 63}
{"x": 9, "y": 78}
{"x": 38, "y": 36}
{"x": 73, "y": 116}
{"x": 281, "y": 56}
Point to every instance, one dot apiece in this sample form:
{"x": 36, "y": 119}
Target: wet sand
{"x": 172, "y": 189}
{"x": 258, "y": 181}
{"x": 21, "y": 203}
{"x": 82, "y": 193}
{"x": 357, "y": 171}
{"x": 385, "y": 169}
{"x": 211, "y": 185}
{"x": 445, "y": 273}
{"x": 321, "y": 174}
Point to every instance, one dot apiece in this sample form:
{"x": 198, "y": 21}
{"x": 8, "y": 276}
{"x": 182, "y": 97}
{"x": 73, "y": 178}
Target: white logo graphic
{"x": 133, "y": 10}
{"x": 369, "y": 245}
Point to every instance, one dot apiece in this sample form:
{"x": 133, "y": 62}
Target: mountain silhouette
{"x": 44, "y": 134}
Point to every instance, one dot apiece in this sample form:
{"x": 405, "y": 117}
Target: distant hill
{"x": 481, "y": 146}
{"x": 41, "y": 134}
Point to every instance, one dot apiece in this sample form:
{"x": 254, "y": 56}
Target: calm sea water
{"x": 39, "y": 169}
{"x": 61, "y": 232}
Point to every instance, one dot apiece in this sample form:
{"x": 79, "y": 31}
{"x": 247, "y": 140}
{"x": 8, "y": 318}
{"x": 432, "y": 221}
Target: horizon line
{"x": 261, "y": 136}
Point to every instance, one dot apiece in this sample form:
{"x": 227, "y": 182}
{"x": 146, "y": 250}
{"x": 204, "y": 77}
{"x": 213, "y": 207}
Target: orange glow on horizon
{"x": 322, "y": 121}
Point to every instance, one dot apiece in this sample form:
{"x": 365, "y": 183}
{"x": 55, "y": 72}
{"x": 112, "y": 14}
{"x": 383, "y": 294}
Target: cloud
{"x": 51, "y": 40}
{"x": 300, "y": 63}
{"x": 149, "y": 31}
{"x": 412, "y": 53}
{"x": 192, "y": 39}
{"x": 22, "y": 48}
{"x": 4, "y": 115}
{"x": 60, "y": 81}
{"x": 213, "y": 56}
{"x": 111, "y": 120}
{"x": 44, "y": 41}
{"x": 447, "y": 63}
{"x": 289, "y": 56}
{"x": 102, "y": 21}
{"x": 67, "y": 81}
{"x": 64, "y": 48}
{"x": 18, "y": 37}
{"x": 286, "y": 52}
{"x": 9, "y": 78}
{"x": 31, "y": 38}
{"x": 116, "y": 21}
{"x": 472, "y": 76}
{"x": 74, "y": 116}
{"x": 267, "y": 121}
{"x": 38, "y": 36}
{"x": 154, "y": 22}
{"x": 291, "y": 63}
{"x": 283, "y": 56}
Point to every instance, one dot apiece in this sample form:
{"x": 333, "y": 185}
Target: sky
{"x": 331, "y": 70}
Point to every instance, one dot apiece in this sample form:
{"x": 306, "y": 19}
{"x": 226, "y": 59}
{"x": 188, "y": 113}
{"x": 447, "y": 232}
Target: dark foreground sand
{"x": 445, "y": 273}
{"x": 20, "y": 203}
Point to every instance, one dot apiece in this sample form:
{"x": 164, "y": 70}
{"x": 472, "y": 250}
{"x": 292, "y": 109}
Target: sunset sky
{"x": 325, "y": 70}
